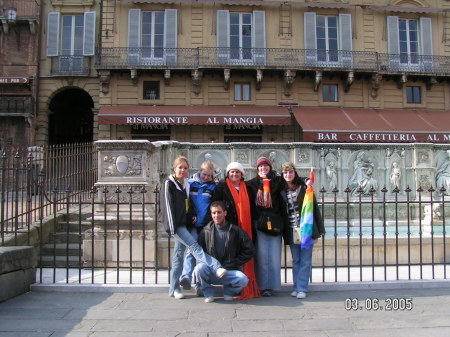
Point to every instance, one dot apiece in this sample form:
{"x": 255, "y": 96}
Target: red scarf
{"x": 244, "y": 216}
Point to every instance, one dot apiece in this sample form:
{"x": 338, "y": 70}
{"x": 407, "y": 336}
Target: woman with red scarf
{"x": 233, "y": 193}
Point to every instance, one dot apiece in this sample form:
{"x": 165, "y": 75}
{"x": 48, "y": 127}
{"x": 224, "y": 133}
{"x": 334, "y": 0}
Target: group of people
{"x": 233, "y": 230}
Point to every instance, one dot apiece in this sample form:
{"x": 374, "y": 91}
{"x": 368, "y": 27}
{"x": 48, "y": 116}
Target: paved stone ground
{"x": 75, "y": 312}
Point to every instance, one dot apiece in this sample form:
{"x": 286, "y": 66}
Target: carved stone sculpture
{"x": 443, "y": 174}
{"x": 362, "y": 178}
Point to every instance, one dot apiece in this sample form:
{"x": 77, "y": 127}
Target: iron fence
{"x": 270, "y": 58}
{"x": 29, "y": 175}
{"x": 116, "y": 238}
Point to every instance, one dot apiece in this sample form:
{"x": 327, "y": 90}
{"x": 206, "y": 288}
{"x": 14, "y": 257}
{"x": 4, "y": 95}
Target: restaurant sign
{"x": 205, "y": 120}
{"x": 13, "y": 80}
{"x": 377, "y": 137}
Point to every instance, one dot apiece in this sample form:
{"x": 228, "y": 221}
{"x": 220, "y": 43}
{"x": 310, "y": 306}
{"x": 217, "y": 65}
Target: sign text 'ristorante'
{"x": 205, "y": 120}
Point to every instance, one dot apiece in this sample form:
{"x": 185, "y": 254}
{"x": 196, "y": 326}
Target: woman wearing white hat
{"x": 233, "y": 193}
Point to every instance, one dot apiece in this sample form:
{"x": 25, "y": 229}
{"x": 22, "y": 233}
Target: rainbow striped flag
{"x": 307, "y": 216}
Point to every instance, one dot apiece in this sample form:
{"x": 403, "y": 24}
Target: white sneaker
{"x": 228, "y": 297}
{"x": 294, "y": 293}
{"x": 220, "y": 272}
{"x": 178, "y": 294}
{"x": 301, "y": 294}
{"x": 209, "y": 299}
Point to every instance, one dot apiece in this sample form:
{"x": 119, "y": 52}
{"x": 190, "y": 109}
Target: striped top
{"x": 293, "y": 207}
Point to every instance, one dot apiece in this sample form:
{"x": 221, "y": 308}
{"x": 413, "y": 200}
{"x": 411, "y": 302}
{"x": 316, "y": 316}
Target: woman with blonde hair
{"x": 177, "y": 214}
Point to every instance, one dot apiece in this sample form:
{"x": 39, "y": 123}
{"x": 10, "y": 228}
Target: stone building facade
{"x": 19, "y": 45}
{"x": 236, "y": 71}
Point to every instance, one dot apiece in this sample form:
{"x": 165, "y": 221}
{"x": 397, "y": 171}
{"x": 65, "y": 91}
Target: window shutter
{"x": 134, "y": 35}
{"x": 170, "y": 36}
{"x": 345, "y": 36}
{"x": 53, "y": 33}
{"x": 426, "y": 39}
{"x": 259, "y": 37}
{"x": 89, "y": 34}
{"x": 310, "y": 37}
{"x": 393, "y": 43}
{"x": 223, "y": 36}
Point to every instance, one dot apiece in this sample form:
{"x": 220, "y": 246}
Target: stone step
{"x": 61, "y": 249}
{"x": 61, "y": 261}
{"x": 63, "y": 237}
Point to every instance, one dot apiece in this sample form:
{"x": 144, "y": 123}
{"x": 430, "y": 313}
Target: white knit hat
{"x": 234, "y": 165}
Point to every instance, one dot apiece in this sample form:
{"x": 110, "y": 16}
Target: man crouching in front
{"x": 232, "y": 247}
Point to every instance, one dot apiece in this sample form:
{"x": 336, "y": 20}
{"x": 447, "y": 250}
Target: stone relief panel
{"x": 363, "y": 178}
{"x": 442, "y": 175}
{"x": 218, "y": 159}
{"x": 277, "y": 158}
{"x": 331, "y": 172}
{"x": 124, "y": 165}
{"x": 242, "y": 156}
{"x": 423, "y": 157}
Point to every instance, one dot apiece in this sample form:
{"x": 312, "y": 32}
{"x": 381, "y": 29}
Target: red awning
{"x": 192, "y": 115}
{"x": 373, "y": 125}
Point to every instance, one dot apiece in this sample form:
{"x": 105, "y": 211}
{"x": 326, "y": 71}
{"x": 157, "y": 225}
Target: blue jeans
{"x": 189, "y": 260}
{"x": 183, "y": 240}
{"x": 268, "y": 261}
{"x": 233, "y": 281}
{"x": 301, "y": 267}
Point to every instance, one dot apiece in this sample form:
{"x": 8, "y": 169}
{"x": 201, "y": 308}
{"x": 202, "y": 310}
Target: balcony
{"x": 269, "y": 58}
{"x": 73, "y": 65}
{"x": 16, "y": 105}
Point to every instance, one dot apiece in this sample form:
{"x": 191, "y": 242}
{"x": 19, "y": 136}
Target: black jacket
{"x": 239, "y": 247}
{"x": 318, "y": 225}
{"x": 172, "y": 206}
{"x": 278, "y": 205}
{"x": 223, "y": 193}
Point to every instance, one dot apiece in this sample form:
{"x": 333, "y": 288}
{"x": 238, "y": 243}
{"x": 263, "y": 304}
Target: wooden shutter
{"x": 345, "y": 36}
{"x": 223, "y": 36}
{"x": 426, "y": 41}
{"x": 259, "y": 37}
{"x": 53, "y": 20}
{"x": 134, "y": 35}
{"x": 170, "y": 36}
{"x": 310, "y": 37}
{"x": 393, "y": 43}
{"x": 89, "y": 34}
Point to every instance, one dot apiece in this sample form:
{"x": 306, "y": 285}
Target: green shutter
{"x": 310, "y": 37}
{"x": 345, "y": 35}
{"x": 53, "y": 33}
{"x": 223, "y": 36}
{"x": 89, "y": 34}
{"x": 170, "y": 36}
{"x": 393, "y": 42}
{"x": 259, "y": 37}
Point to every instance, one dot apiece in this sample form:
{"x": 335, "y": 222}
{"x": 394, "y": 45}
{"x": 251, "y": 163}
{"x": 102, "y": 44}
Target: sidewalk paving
{"x": 138, "y": 311}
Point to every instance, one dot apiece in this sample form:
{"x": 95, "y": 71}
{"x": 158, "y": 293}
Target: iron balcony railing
{"x": 269, "y": 58}
{"x": 16, "y": 105}
{"x": 71, "y": 65}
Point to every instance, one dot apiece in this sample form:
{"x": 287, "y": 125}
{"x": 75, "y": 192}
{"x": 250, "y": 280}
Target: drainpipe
{"x": 38, "y": 68}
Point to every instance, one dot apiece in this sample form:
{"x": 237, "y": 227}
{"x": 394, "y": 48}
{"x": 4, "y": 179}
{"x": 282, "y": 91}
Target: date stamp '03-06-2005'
{"x": 375, "y": 304}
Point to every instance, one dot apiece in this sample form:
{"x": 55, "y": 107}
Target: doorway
{"x": 71, "y": 119}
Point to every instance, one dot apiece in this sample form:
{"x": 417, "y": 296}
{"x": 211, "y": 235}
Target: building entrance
{"x": 71, "y": 117}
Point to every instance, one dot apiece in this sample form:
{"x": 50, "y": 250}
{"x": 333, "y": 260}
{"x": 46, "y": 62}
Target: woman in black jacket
{"x": 177, "y": 215}
{"x": 269, "y": 219}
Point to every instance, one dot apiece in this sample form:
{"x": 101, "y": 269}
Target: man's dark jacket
{"x": 239, "y": 247}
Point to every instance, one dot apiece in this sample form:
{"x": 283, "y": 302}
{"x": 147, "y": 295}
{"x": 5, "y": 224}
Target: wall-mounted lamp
{"x": 212, "y": 140}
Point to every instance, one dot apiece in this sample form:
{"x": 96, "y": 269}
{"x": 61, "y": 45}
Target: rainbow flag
{"x": 307, "y": 216}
